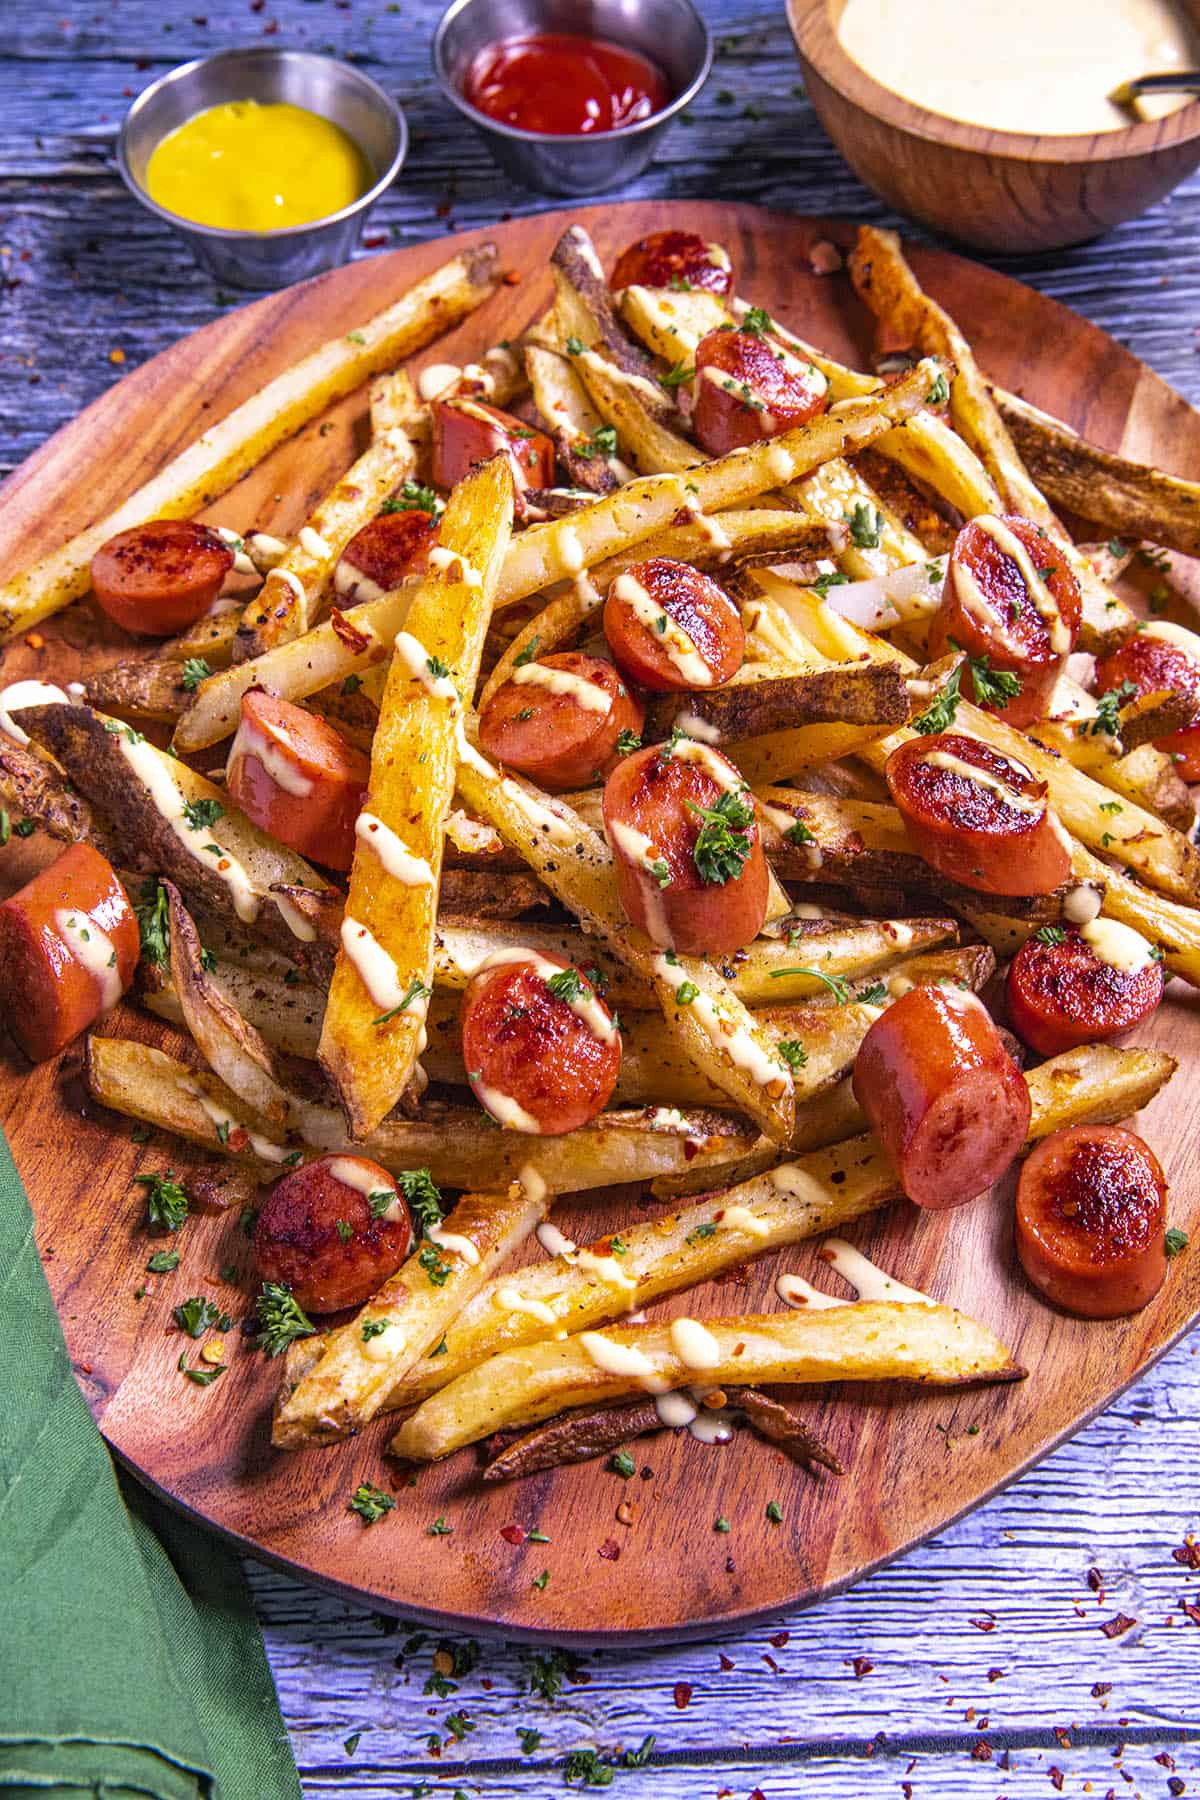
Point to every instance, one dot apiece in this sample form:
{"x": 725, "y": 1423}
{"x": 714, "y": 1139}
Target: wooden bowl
{"x": 998, "y": 190}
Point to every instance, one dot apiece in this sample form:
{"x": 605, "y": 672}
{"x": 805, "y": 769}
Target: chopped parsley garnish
{"x": 1050, "y": 934}
{"x": 799, "y": 833}
{"x": 412, "y": 497}
{"x": 1111, "y": 806}
{"x": 757, "y": 321}
{"x": 686, "y": 992}
{"x": 574, "y": 346}
{"x": 439, "y": 1528}
{"x": 201, "y": 814}
{"x": 707, "y": 1230}
{"x": 546, "y": 1674}
{"x": 1175, "y": 1242}
{"x": 25, "y": 827}
{"x": 676, "y": 377}
{"x": 201, "y": 1377}
{"x": 281, "y": 1318}
{"x": 198, "y": 1314}
{"x": 370, "y": 1503}
{"x": 437, "y": 668}
{"x": 721, "y": 1523}
{"x": 722, "y": 846}
{"x": 208, "y": 961}
{"x": 5, "y": 826}
{"x": 821, "y": 586}
{"x": 528, "y": 653}
{"x": 351, "y": 685}
{"x": 166, "y": 1200}
{"x": 835, "y": 983}
{"x": 530, "y": 1739}
{"x": 1108, "y": 706}
{"x": 603, "y": 442}
{"x": 423, "y": 1195}
{"x": 1116, "y": 548}
{"x": 793, "y": 1053}
{"x": 437, "y": 1271}
{"x": 679, "y": 284}
{"x": 154, "y": 924}
{"x": 163, "y": 1261}
{"x": 622, "y": 1464}
{"x": 940, "y": 716}
{"x": 939, "y": 393}
{"x": 627, "y": 742}
{"x": 344, "y": 1229}
{"x": 373, "y": 1328}
{"x": 875, "y": 995}
{"x": 195, "y": 670}
{"x": 416, "y": 991}
{"x": 774, "y": 1512}
{"x": 866, "y": 525}
{"x": 993, "y": 687}
{"x": 588, "y": 1768}
{"x": 660, "y": 869}
{"x": 568, "y": 985}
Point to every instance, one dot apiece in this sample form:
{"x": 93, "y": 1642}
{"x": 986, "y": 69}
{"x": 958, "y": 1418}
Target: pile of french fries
{"x": 832, "y": 539}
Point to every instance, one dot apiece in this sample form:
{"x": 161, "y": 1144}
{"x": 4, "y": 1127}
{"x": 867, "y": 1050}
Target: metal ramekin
{"x": 268, "y": 259}
{"x": 670, "y": 32}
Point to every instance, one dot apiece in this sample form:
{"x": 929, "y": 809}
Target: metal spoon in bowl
{"x": 1174, "y": 81}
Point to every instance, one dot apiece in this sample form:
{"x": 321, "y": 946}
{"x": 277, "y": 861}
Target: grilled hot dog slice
{"x": 159, "y": 578}
{"x": 1078, "y": 986}
{"x": 749, "y": 386}
{"x": 297, "y": 778}
{"x": 1161, "y": 656}
{"x": 541, "y": 1047}
{"x": 945, "y": 1098}
{"x": 559, "y": 720}
{"x": 384, "y": 553}
{"x": 670, "y": 627}
{"x": 69, "y": 944}
{"x": 673, "y": 259}
{"x": 1091, "y": 1219}
{"x": 333, "y": 1231}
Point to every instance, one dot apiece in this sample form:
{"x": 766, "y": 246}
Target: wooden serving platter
{"x": 671, "y": 1574}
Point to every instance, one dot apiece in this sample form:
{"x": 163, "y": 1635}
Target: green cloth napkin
{"x": 130, "y": 1660}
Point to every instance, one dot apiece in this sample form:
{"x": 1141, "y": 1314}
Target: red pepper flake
{"x": 513, "y": 278}
{"x": 1002, "y": 1761}
{"x": 1165, "y": 1760}
{"x": 375, "y": 240}
{"x": 1095, "y": 1580}
{"x": 860, "y": 1664}
{"x": 906, "y": 1789}
{"x": 1187, "y": 1553}
{"x": 779, "y": 1639}
{"x": 982, "y": 1751}
{"x": 1057, "y": 1777}
{"x": 771, "y": 1663}
{"x": 1063, "y": 1736}
{"x": 984, "y": 1624}
{"x": 356, "y": 641}
{"x": 912, "y": 1765}
{"x": 512, "y": 1534}
{"x": 995, "y": 1674}
{"x": 1100, "y": 1688}
{"x": 1192, "y": 1609}
{"x": 726, "y": 1662}
{"x": 683, "y": 1695}
{"x": 757, "y": 1794}
{"x": 116, "y": 355}
{"x": 1113, "y": 1628}
{"x": 609, "y": 1550}
{"x": 35, "y": 640}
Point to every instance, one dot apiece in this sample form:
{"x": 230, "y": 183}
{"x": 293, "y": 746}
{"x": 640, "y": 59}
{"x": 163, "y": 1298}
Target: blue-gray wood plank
{"x": 988, "y": 1670}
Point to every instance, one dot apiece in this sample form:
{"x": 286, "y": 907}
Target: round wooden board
{"x": 915, "y": 1459}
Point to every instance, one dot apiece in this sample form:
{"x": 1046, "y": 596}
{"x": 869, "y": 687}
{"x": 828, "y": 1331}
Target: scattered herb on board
{"x": 163, "y": 1261}
{"x": 439, "y": 1528}
{"x": 587, "y": 1768}
{"x": 541, "y": 1582}
{"x": 722, "y": 1524}
{"x": 546, "y": 1673}
{"x": 199, "y": 1314}
{"x": 166, "y": 1200}
{"x": 529, "y": 1739}
{"x": 370, "y": 1503}
{"x": 281, "y": 1319}
{"x": 201, "y": 1377}
{"x": 622, "y": 1464}
{"x": 774, "y": 1512}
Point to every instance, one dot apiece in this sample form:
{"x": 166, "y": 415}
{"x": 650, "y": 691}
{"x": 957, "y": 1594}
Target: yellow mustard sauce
{"x": 247, "y": 166}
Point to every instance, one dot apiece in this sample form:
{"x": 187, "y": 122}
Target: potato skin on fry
{"x": 320, "y": 1237}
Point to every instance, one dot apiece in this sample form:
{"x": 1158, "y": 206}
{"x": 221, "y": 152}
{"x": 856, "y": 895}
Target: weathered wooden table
{"x": 979, "y": 1665}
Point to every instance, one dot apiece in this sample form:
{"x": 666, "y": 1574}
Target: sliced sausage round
{"x": 1011, "y": 597}
{"x": 679, "y": 259}
{"x": 684, "y": 833}
{"x": 333, "y": 1231}
{"x": 297, "y": 778}
{"x": 157, "y": 579}
{"x": 978, "y": 816}
{"x": 943, "y": 1095}
{"x": 69, "y": 945}
{"x": 749, "y": 386}
{"x": 559, "y": 720}
{"x": 1091, "y": 1221}
{"x": 541, "y": 1047}
{"x": 385, "y": 553}
{"x": 466, "y": 432}
{"x": 1069, "y": 987}
{"x": 670, "y": 627}
{"x": 1160, "y": 657}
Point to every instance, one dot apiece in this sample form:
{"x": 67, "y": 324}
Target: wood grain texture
{"x": 1120, "y": 1494}
{"x": 675, "y": 1574}
{"x": 995, "y": 190}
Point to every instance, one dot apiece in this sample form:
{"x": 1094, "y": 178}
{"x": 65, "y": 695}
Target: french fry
{"x": 360, "y": 1362}
{"x": 216, "y": 460}
{"x": 170, "y": 820}
{"x": 395, "y": 405}
{"x": 374, "y": 1022}
{"x": 643, "y": 439}
{"x": 1128, "y": 500}
{"x": 872, "y": 1340}
{"x": 714, "y": 1028}
{"x": 573, "y": 421}
{"x": 745, "y": 709}
{"x": 887, "y": 284}
{"x": 292, "y": 595}
{"x": 815, "y": 1193}
{"x": 32, "y": 788}
{"x": 584, "y": 314}
{"x": 460, "y": 1146}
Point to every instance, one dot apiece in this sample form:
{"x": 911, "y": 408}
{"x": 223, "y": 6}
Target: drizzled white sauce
{"x": 531, "y": 1181}
{"x": 294, "y": 919}
{"x": 740, "y": 1218}
{"x": 288, "y": 578}
{"x": 623, "y": 1360}
{"x": 671, "y": 636}
{"x": 265, "y": 549}
{"x": 508, "y": 1299}
{"x": 992, "y": 784}
{"x": 374, "y": 967}
{"x": 570, "y": 550}
{"x": 395, "y": 856}
{"x": 153, "y": 770}
{"x": 455, "y": 1242}
{"x": 699, "y": 728}
{"x": 721, "y": 770}
{"x": 250, "y": 741}
{"x": 869, "y": 1281}
{"x": 694, "y": 1345}
{"x": 553, "y": 1241}
{"x": 1120, "y": 946}
{"x": 351, "y": 583}
{"x": 315, "y": 544}
{"x": 667, "y": 1118}
{"x": 585, "y": 1004}
{"x": 675, "y": 1409}
{"x": 415, "y": 658}
{"x": 735, "y": 1040}
{"x": 93, "y": 950}
{"x": 442, "y": 558}
{"x": 27, "y": 693}
{"x": 539, "y": 816}
{"x": 781, "y": 463}
{"x": 1170, "y": 633}
{"x": 505, "y": 1110}
{"x": 642, "y": 852}
{"x": 793, "y": 1290}
{"x": 606, "y": 1266}
{"x": 1081, "y": 904}
{"x": 588, "y": 694}
{"x": 352, "y": 1174}
{"x": 784, "y": 822}
{"x": 437, "y": 378}
{"x": 716, "y": 534}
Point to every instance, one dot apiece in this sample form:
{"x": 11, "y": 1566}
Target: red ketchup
{"x": 561, "y": 83}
